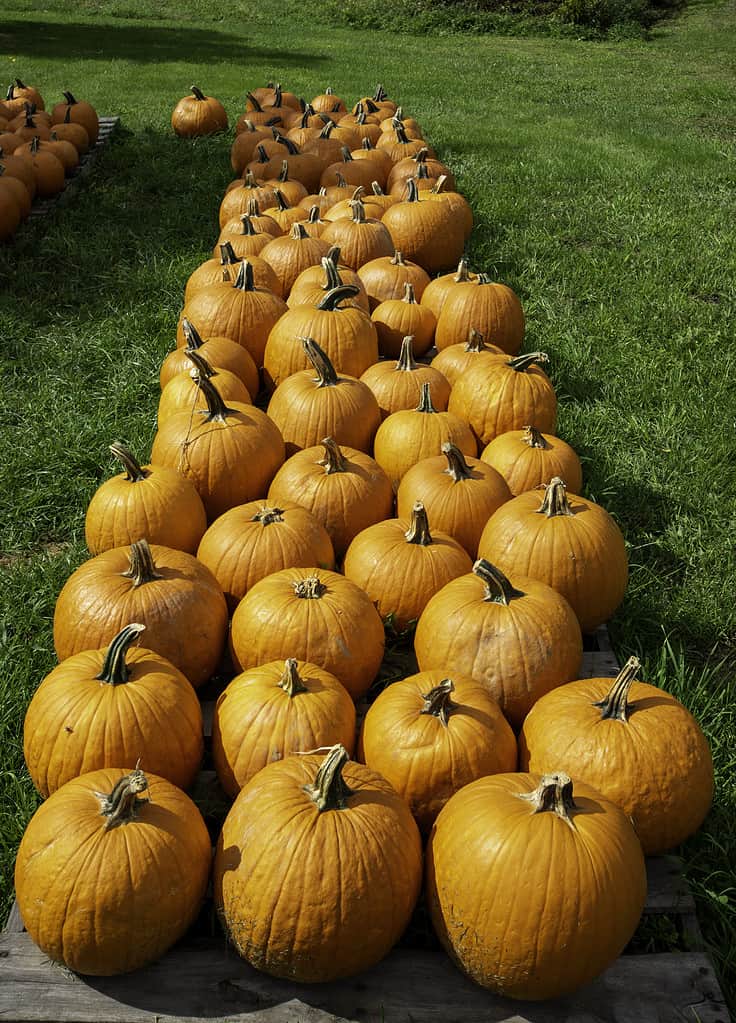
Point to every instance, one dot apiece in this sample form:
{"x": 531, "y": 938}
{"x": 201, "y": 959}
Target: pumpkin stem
{"x": 521, "y": 363}
{"x": 406, "y": 360}
{"x": 217, "y": 410}
{"x": 281, "y": 200}
{"x": 425, "y": 401}
{"x": 254, "y": 102}
{"x": 268, "y": 515}
{"x": 227, "y": 254}
{"x": 463, "y": 275}
{"x": 380, "y": 94}
{"x": 615, "y": 705}
{"x": 330, "y": 791}
{"x": 311, "y": 588}
{"x": 122, "y": 804}
{"x": 366, "y": 143}
{"x": 128, "y": 461}
{"x": 141, "y": 568}
{"x": 328, "y": 129}
{"x": 409, "y": 294}
{"x": 326, "y": 375}
{"x": 439, "y": 185}
{"x": 359, "y": 192}
{"x": 358, "y": 209}
{"x": 553, "y": 793}
{"x": 412, "y": 191}
{"x": 197, "y": 93}
{"x": 332, "y": 276}
{"x": 334, "y": 460}
{"x": 555, "y": 499}
{"x": 397, "y": 259}
{"x": 340, "y": 181}
{"x": 534, "y": 438}
{"x": 475, "y": 342}
{"x": 290, "y": 681}
{"x": 333, "y": 254}
{"x": 377, "y": 190}
{"x": 437, "y": 701}
{"x": 498, "y": 589}
{"x": 254, "y": 207}
{"x": 457, "y": 467}
{"x": 401, "y": 135}
{"x": 71, "y": 100}
{"x": 313, "y": 217}
{"x": 421, "y": 156}
{"x": 336, "y": 295}
{"x": 418, "y": 532}
{"x": 114, "y": 670}
{"x": 244, "y": 281}
{"x": 298, "y": 231}
{"x": 202, "y": 368}
{"x": 292, "y": 149}
{"x": 248, "y": 230}
{"x": 191, "y": 334}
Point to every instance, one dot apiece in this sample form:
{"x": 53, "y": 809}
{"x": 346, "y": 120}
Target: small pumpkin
{"x": 285, "y": 214}
{"x": 10, "y": 214}
{"x": 394, "y": 319}
{"x": 343, "y": 210}
{"x": 399, "y": 145}
{"x": 438, "y": 289}
{"x": 237, "y": 199}
{"x": 398, "y": 385}
{"x": 184, "y": 394}
{"x": 17, "y": 192}
{"x": 79, "y": 112}
{"x": 244, "y": 239}
{"x": 528, "y": 459}
{"x": 360, "y": 239}
{"x": 198, "y": 115}
{"x": 292, "y": 253}
{"x": 47, "y": 169}
{"x": 221, "y": 352}
{"x": 274, "y": 711}
{"x": 313, "y": 284}
{"x": 247, "y": 137}
{"x": 19, "y": 92}
{"x": 455, "y": 360}
{"x": 328, "y": 103}
{"x": 408, "y": 168}
{"x": 387, "y": 277}
{"x": 74, "y": 133}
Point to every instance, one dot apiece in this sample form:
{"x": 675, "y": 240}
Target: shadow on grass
{"x": 137, "y": 43}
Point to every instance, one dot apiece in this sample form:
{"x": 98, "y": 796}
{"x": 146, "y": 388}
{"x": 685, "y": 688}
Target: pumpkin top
{"x": 291, "y": 681}
{"x": 418, "y": 531}
{"x": 334, "y": 460}
{"x": 425, "y": 401}
{"x": 142, "y": 568}
{"x": 438, "y": 702}
{"x": 311, "y": 588}
{"x": 614, "y": 705}
{"x": 498, "y": 589}
{"x": 553, "y": 794}
{"x": 330, "y": 790}
{"x": 114, "y": 670}
{"x": 533, "y": 437}
{"x": 457, "y": 467}
{"x": 134, "y": 472}
{"x": 555, "y": 499}
{"x": 121, "y": 805}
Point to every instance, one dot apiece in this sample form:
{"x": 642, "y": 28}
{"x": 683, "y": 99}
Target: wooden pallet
{"x": 203, "y": 979}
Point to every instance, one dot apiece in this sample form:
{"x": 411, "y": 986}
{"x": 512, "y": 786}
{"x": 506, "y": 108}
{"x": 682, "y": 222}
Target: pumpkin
{"x": 501, "y": 394}
{"x": 395, "y": 318}
{"x": 360, "y": 239}
{"x": 65, "y": 151}
{"x": 344, "y": 332}
{"x": 408, "y": 436}
{"x": 29, "y": 128}
{"x": 354, "y": 172}
{"x": 315, "y": 615}
{"x": 170, "y": 592}
{"x": 231, "y": 452}
{"x": 183, "y": 392}
{"x": 452, "y": 362}
{"x": 292, "y": 253}
{"x": 306, "y": 408}
{"x": 387, "y": 277}
{"x": 47, "y": 169}
{"x": 426, "y": 232}
{"x": 459, "y": 493}
{"x": 518, "y": 637}
{"x": 636, "y": 744}
{"x": 274, "y": 711}
{"x": 237, "y": 199}
{"x": 79, "y": 112}
{"x": 263, "y": 223}
{"x": 151, "y": 501}
{"x": 338, "y": 903}
{"x": 284, "y": 214}
{"x": 221, "y": 352}
{"x": 9, "y": 142}
{"x": 326, "y": 148}
{"x": 398, "y": 385}
{"x": 430, "y": 735}
{"x": 491, "y": 308}
{"x": 528, "y": 459}
{"x": 408, "y": 168}
{"x": 259, "y": 114}
{"x": 225, "y": 269}
{"x": 320, "y": 199}
{"x": 256, "y": 539}
{"x": 346, "y": 490}
{"x": 314, "y": 225}
{"x": 399, "y": 145}
{"x": 344, "y": 210}
{"x": 10, "y": 214}
{"x": 74, "y": 133}
{"x": 244, "y": 239}
{"x": 16, "y": 192}
{"x": 89, "y": 860}
{"x": 377, "y": 158}
{"x": 247, "y": 137}
{"x": 439, "y": 288}
{"x": 569, "y": 542}
{"x": 327, "y": 103}
{"x": 313, "y": 284}
{"x": 198, "y": 115}
{"x": 573, "y": 855}
{"x": 110, "y": 708}
{"x": 455, "y": 205}
{"x": 19, "y": 92}
{"x": 305, "y": 168}
{"x": 240, "y": 311}
{"x": 401, "y": 565}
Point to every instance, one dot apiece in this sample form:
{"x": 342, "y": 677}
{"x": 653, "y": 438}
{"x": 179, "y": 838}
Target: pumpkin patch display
{"x": 358, "y": 868}
{"x": 198, "y": 115}
{"x": 634, "y": 743}
{"x": 582, "y": 904}
{"x": 101, "y": 844}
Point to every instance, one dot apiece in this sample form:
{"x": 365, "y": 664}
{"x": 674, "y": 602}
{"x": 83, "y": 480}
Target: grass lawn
{"x": 601, "y": 175}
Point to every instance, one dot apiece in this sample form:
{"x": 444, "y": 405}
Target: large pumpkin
{"x": 315, "y": 615}
{"x": 426, "y": 232}
{"x": 292, "y": 253}
{"x": 313, "y": 284}
{"x": 633, "y": 742}
{"x": 274, "y": 711}
{"x": 361, "y": 239}
{"x": 79, "y": 112}
{"x": 387, "y": 276}
{"x": 111, "y": 708}
{"x": 518, "y": 637}
{"x": 528, "y": 459}
{"x": 566, "y": 541}
{"x": 533, "y": 888}
{"x": 342, "y": 897}
{"x": 455, "y": 360}
{"x": 430, "y": 735}
{"x": 198, "y": 115}
{"x": 92, "y": 859}
{"x": 492, "y": 308}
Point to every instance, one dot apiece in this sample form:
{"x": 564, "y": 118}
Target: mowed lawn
{"x": 602, "y": 179}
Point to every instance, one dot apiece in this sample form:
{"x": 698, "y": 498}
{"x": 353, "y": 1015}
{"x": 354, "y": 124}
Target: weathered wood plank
{"x": 667, "y": 887}
{"x": 206, "y": 980}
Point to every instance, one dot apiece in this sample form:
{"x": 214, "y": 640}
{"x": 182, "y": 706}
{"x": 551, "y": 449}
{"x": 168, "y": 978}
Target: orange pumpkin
{"x": 491, "y": 308}
{"x": 79, "y": 112}
{"x": 528, "y": 459}
{"x": 184, "y": 393}
{"x": 398, "y": 385}
{"x": 198, "y": 115}
{"x": 440, "y": 287}
{"x": 387, "y": 277}
{"x": 313, "y": 284}
{"x": 292, "y": 253}
{"x": 455, "y": 360}
{"x": 394, "y": 319}
{"x": 426, "y": 232}
{"x": 360, "y": 239}
{"x": 218, "y": 351}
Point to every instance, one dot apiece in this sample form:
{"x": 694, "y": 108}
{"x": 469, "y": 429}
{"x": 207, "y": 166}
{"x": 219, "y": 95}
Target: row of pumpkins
{"x": 38, "y": 150}
{"x": 534, "y": 881}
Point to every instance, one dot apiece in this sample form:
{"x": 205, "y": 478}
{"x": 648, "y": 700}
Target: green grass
{"x": 602, "y": 180}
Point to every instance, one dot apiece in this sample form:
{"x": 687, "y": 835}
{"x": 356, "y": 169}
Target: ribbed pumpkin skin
{"x": 85, "y": 893}
{"x": 582, "y": 556}
{"x": 184, "y": 611}
{"x": 407, "y": 437}
{"x": 401, "y": 577}
{"x": 452, "y": 362}
{"x": 257, "y": 722}
{"x": 311, "y": 286}
{"x": 164, "y": 508}
{"x": 491, "y": 308}
{"x": 495, "y": 398}
{"x": 426, "y": 233}
{"x": 517, "y": 651}
{"x": 344, "y": 502}
{"x": 183, "y": 394}
{"x": 193, "y": 116}
{"x": 525, "y": 467}
{"x": 395, "y": 318}
{"x": 340, "y": 630}
{"x": 583, "y": 887}
{"x": 243, "y": 546}
{"x": 289, "y": 256}
{"x": 212, "y": 272}
{"x": 342, "y": 893}
{"x": 230, "y": 462}
{"x": 220, "y": 353}
{"x": 656, "y": 766}
{"x": 75, "y": 723}
{"x": 359, "y": 243}
{"x": 425, "y": 760}
{"x": 397, "y": 389}
{"x": 460, "y": 508}
{"x": 386, "y": 277}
